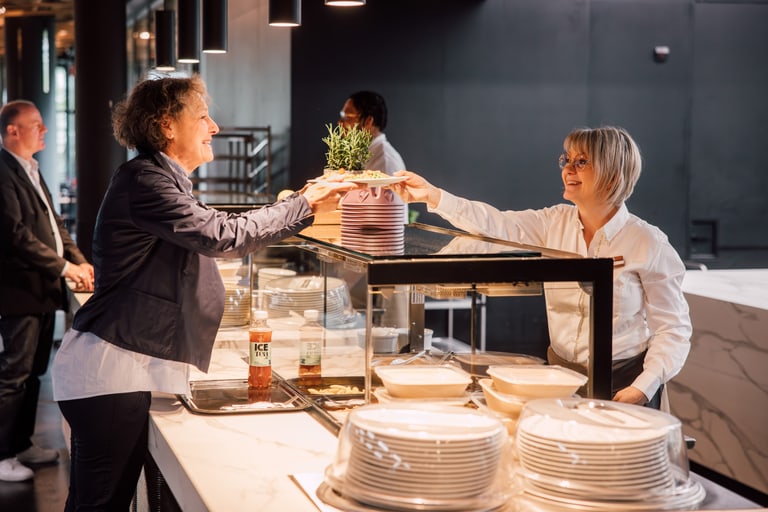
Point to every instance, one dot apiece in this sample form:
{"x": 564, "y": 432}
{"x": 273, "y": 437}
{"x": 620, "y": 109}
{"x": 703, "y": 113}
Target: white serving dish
{"x": 419, "y": 381}
{"x": 384, "y": 339}
{"x": 503, "y": 403}
{"x": 536, "y": 381}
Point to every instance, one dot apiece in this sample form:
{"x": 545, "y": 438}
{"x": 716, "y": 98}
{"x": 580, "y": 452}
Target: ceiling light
{"x": 215, "y": 26}
{"x": 165, "y": 41}
{"x": 285, "y": 13}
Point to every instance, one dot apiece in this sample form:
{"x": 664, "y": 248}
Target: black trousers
{"x": 27, "y": 342}
{"x": 109, "y": 445}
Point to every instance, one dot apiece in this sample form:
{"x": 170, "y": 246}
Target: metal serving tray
{"x": 232, "y": 397}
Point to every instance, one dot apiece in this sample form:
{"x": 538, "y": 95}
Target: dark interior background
{"x": 482, "y": 93}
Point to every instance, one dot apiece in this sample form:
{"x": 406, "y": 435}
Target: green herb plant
{"x": 347, "y": 147}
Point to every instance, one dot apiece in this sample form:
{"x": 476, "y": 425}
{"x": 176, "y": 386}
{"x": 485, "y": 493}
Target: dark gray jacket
{"x": 158, "y": 291}
{"x": 30, "y": 269}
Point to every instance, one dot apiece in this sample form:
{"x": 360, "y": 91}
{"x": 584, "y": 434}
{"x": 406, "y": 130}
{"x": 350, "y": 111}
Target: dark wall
{"x": 482, "y": 93}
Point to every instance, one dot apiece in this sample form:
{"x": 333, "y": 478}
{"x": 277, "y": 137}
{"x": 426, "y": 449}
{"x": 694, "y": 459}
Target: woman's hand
{"x": 630, "y": 395}
{"x": 81, "y": 275}
{"x": 324, "y": 196}
{"x": 416, "y": 189}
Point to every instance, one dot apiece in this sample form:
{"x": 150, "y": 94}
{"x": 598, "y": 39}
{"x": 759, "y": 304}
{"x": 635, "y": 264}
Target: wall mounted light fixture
{"x": 165, "y": 41}
{"x": 285, "y": 13}
{"x": 215, "y": 26}
{"x": 345, "y": 3}
{"x": 188, "y": 13}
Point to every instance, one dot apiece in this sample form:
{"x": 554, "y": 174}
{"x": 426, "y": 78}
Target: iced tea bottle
{"x": 311, "y": 336}
{"x": 260, "y": 360}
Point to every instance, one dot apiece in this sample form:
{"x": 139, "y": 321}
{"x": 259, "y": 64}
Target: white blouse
{"x": 649, "y": 309}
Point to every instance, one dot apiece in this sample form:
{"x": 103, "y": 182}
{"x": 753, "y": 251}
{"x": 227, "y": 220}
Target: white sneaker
{"x": 36, "y": 455}
{"x": 11, "y": 470}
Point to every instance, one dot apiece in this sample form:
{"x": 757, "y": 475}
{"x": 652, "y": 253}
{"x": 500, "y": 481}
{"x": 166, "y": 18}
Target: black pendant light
{"x": 345, "y": 3}
{"x": 285, "y": 13}
{"x": 215, "y": 26}
{"x": 188, "y": 12}
{"x": 165, "y": 41}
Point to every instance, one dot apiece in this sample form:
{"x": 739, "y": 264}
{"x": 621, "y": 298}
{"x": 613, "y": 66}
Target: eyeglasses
{"x": 350, "y": 118}
{"x": 579, "y": 164}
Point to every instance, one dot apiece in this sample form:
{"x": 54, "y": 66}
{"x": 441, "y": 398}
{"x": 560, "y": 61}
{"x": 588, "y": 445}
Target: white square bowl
{"x": 508, "y": 405}
{"x": 536, "y": 381}
{"x": 418, "y": 381}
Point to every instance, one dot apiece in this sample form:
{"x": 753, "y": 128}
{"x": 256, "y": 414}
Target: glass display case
{"x": 384, "y": 294}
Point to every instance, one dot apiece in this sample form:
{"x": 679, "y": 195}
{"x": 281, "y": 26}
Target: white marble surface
{"x": 721, "y": 395}
{"x": 746, "y": 287}
{"x": 221, "y": 462}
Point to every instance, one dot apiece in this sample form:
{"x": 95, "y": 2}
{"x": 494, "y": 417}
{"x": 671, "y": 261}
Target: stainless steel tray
{"x": 232, "y": 397}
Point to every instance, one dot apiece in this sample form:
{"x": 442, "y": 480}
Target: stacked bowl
{"x": 372, "y": 221}
{"x": 417, "y": 458}
{"x": 511, "y": 386}
{"x": 582, "y": 454}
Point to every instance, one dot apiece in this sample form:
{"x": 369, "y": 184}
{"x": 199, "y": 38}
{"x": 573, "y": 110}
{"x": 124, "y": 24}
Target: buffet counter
{"x": 234, "y": 462}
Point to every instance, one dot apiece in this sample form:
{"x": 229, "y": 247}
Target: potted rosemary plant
{"x": 347, "y": 148}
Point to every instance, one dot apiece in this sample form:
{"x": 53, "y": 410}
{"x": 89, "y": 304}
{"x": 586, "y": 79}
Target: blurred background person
{"x": 36, "y": 255}
{"x": 159, "y": 297}
{"x": 368, "y": 110}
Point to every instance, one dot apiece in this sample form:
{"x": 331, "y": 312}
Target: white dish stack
{"x": 237, "y": 292}
{"x": 372, "y": 221}
{"x": 294, "y": 295}
{"x": 421, "y": 458}
{"x": 599, "y": 455}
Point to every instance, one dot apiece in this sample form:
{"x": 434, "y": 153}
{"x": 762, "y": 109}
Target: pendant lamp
{"x": 285, "y": 13}
{"x": 165, "y": 41}
{"x": 215, "y": 26}
{"x": 345, "y": 3}
{"x": 188, "y": 13}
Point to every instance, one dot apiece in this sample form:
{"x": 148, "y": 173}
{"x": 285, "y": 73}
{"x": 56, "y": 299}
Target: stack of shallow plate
{"x": 372, "y": 221}
{"x": 299, "y": 293}
{"x": 420, "y": 458}
{"x": 596, "y": 455}
{"x": 237, "y": 302}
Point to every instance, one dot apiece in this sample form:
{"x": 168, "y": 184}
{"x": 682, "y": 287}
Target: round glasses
{"x": 578, "y": 163}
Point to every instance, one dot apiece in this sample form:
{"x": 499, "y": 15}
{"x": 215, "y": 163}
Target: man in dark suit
{"x": 36, "y": 255}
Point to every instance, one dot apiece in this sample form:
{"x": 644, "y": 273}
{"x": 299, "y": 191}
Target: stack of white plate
{"x": 372, "y": 221}
{"x": 596, "y": 455}
{"x": 296, "y": 294}
{"x": 237, "y": 302}
{"x": 267, "y": 274}
{"x": 420, "y": 458}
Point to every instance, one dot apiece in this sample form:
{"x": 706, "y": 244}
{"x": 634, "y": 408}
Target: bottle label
{"x": 261, "y": 354}
{"x": 310, "y": 353}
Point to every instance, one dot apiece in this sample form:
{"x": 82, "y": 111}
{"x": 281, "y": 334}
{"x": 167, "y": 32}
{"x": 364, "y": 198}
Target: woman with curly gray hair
{"x": 651, "y": 326}
{"x": 159, "y": 298}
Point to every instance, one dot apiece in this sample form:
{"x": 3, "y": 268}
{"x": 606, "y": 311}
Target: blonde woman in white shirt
{"x": 651, "y": 324}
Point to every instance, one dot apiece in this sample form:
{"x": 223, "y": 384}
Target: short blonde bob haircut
{"x": 615, "y": 159}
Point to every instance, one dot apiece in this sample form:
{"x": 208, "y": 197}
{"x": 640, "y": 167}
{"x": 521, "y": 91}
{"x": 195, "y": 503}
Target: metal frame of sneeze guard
{"x": 428, "y": 259}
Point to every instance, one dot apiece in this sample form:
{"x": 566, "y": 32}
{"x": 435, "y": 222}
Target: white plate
{"x": 377, "y": 182}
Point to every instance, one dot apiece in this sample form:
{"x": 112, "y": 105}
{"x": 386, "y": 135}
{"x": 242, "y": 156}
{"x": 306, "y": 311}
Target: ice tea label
{"x": 261, "y": 354}
{"x": 310, "y": 353}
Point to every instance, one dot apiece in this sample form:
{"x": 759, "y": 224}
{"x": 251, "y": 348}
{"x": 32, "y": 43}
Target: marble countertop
{"x": 746, "y": 287}
{"x": 253, "y": 461}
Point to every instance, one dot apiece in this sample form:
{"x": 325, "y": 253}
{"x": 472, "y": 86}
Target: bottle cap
{"x": 311, "y": 314}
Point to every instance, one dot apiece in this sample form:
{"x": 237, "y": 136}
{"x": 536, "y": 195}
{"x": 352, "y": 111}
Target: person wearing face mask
{"x": 599, "y": 168}
{"x": 368, "y": 110}
{"x": 159, "y": 297}
{"x": 36, "y": 256}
